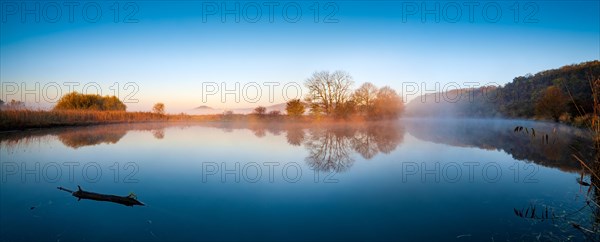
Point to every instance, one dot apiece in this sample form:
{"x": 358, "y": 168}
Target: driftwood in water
{"x": 129, "y": 200}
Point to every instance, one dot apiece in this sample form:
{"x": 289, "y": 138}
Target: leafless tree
{"x": 329, "y": 90}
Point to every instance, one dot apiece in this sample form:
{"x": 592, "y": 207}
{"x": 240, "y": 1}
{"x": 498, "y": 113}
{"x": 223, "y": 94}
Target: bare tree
{"x": 329, "y": 90}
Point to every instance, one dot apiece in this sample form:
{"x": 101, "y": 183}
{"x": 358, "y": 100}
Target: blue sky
{"x": 169, "y": 49}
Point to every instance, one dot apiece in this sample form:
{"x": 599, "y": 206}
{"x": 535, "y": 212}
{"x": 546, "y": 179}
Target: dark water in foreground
{"x": 410, "y": 180}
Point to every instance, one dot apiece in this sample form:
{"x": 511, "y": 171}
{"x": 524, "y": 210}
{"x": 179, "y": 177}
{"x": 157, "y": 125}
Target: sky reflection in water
{"x": 230, "y": 181}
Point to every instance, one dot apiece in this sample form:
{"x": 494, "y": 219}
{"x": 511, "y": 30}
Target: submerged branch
{"x": 129, "y": 200}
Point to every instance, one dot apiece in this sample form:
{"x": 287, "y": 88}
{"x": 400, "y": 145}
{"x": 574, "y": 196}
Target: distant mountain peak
{"x": 203, "y": 107}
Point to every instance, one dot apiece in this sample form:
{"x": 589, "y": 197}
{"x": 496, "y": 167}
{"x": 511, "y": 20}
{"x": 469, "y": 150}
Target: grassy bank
{"x": 28, "y": 119}
{"x": 25, "y": 119}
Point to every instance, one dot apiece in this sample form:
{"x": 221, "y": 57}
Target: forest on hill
{"x": 563, "y": 94}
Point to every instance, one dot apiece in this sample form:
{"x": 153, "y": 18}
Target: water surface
{"x": 406, "y": 180}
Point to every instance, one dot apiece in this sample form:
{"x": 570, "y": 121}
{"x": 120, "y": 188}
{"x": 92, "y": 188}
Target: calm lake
{"x": 415, "y": 179}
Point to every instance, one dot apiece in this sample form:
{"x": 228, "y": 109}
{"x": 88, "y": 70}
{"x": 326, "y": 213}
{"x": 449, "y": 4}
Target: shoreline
{"x": 15, "y": 125}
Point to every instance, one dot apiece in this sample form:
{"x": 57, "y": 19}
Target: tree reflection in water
{"x": 331, "y": 149}
{"x": 259, "y": 132}
{"x": 158, "y": 133}
{"x": 77, "y": 137}
{"x": 105, "y": 134}
{"x": 498, "y": 135}
{"x": 91, "y": 136}
{"x": 295, "y": 136}
{"x": 569, "y": 220}
{"x": 364, "y": 143}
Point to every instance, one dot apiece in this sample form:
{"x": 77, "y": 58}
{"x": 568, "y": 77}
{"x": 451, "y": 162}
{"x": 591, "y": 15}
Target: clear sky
{"x": 172, "y": 51}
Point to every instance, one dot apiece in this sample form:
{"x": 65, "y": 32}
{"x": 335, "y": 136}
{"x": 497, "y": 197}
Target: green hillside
{"x": 519, "y": 98}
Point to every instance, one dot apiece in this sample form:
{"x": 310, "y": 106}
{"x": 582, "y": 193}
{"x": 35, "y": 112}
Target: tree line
{"x": 330, "y": 95}
{"x": 79, "y": 101}
{"x": 566, "y": 92}
{"x": 563, "y": 94}
{"x": 95, "y": 102}
{"x": 12, "y": 105}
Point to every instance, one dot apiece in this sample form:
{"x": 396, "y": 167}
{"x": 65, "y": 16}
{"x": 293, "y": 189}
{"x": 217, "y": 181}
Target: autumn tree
{"x": 227, "y": 115}
{"x": 159, "y": 108}
{"x": 79, "y": 101}
{"x": 364, "y": 97}
{"x": 329, "y": 90}
{"x": 387, "y": 104}
{"x": 552, "y": 103}
{"x": 345, "y": 110}
{"x": 295, "y": 108}
{"x": 260, "y": 110}
{"x": 316, "y": 111}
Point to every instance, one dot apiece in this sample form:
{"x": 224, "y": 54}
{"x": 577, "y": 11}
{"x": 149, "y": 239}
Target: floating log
{"x": 129, "y": 200}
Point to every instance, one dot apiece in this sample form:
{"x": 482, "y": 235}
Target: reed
{"x": 24, "y": 119}
{"x": 595, "y": 124}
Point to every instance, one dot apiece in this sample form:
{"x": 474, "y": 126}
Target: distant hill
{"x": 279, "y": 107}
{"x": 204, "y": 110}
{"x": 203, "y": 107}
{"x": 516, "y": 99}
{"x": 454, "y": 103}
